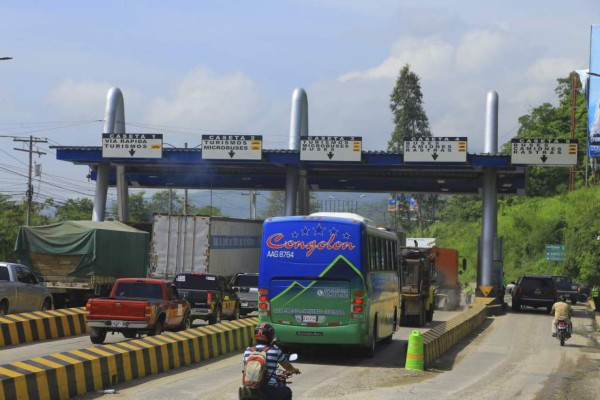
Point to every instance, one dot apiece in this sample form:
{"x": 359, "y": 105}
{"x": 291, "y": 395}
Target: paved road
{"x": 514, "y": 357}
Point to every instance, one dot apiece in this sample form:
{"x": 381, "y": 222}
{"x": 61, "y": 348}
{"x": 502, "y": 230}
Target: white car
{"x": 510, "y": 287}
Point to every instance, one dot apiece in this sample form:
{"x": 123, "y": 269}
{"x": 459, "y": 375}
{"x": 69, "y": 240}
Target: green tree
{"x": 210, "y": 211}
{"x": 549, "y": 122}
{"x": 12, "y": 215}
{"x": 406, "y": 104}
{"x": 139, "y": 208}
{"x": 75, "y": 210}
{"x": 410, "y": 120}
{"x": 166, "y": 201}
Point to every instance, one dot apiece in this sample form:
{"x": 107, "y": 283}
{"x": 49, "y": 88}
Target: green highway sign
{"x": 555, "y": 252}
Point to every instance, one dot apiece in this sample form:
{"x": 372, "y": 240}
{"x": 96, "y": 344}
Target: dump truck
{"x": 417, "y": 267}
{"x": 202, "y": 244}
{"x": 447, "y": 286}
{"x": 82, "y": 259}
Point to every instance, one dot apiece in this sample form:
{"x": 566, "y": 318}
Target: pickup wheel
{"x": 216, "y": 317}
{"x": 3, "y": 307}
{"x": 129, "y": 333}
{"x": 47, "y": 306}
{"x": 236, "y": 313}
{"x": 97, "y": 335}
{"x": 157, "y": 329}
{"x": 186, "y": 323}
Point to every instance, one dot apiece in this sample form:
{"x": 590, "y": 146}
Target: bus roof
{"x": 345, "y": 215}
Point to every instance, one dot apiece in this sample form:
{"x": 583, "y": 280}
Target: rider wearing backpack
{"x": 264, "y": 334}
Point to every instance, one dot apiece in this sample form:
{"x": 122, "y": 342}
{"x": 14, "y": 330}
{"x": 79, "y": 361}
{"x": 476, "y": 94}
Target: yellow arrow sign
{"x": 485, "y": 290}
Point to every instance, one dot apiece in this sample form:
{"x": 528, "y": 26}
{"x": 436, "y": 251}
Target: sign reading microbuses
{"x": 435, "y": 149}
{"x": 550, "y": 152}
{"x": 232, "y": 147}
{"x": 330, "y": 148}
{"x": 132, "y": 145}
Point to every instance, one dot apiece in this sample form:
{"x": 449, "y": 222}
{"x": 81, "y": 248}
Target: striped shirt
{"x": 274, "y": 356}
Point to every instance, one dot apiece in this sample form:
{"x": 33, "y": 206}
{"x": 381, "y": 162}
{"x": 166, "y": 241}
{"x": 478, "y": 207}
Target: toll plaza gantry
{"x": 297, "y": 171}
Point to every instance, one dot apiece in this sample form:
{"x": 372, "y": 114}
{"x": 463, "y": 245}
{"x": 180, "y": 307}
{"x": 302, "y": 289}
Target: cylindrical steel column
{"x": 490, "y": 194}
{"x": 298, "y": 127}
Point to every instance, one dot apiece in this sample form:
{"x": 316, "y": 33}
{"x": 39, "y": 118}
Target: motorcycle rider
{"x": 264, "y": 334}
{"x": 561, "y": 310}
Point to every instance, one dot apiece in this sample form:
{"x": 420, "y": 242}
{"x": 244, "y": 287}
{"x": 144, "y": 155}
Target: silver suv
{"x": 246, "y": 286}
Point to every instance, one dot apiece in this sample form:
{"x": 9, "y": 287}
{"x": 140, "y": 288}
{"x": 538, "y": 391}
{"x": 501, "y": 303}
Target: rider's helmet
{"x": 264, "y": 333}
{"x": 562, "y": 297}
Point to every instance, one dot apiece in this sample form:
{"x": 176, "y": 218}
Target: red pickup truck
{"x": 137, "y": 306}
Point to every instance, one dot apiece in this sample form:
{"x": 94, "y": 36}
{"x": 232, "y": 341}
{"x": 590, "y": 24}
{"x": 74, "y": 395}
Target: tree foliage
{"x": 406, "y": 104}
{"x": 75, "y": 210}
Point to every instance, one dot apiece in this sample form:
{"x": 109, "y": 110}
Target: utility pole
{"x": 185, "y": 197}
{"x": 29, "y": 192}
{"x": 573, "y": 122}
{"x": 252, "y": 193}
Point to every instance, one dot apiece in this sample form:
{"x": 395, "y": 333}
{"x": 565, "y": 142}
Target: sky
{"x": 188, "y": 68}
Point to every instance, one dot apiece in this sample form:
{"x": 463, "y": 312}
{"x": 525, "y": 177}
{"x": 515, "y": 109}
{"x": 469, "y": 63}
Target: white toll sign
{"x": 132, "y": 145}
{"x": 231, "y": 147}
{"x": 544, "y": 152}
{"x": 330, "y": 148}
{"x": 436, "y": 149}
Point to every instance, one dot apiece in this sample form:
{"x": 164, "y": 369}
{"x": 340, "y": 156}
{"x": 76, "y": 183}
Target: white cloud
{"x": 79, "y": 99}
{"x": 429, "y": 56}
{"x": 551, "y": 68}
{"x": 205, "y": 100}
{"x": 479, "y": 50}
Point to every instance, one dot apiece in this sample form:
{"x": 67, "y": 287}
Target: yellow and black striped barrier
{"x": 41, "y": 325}
{"x": 72, "y": 373}
{"x": 442, "y": 337}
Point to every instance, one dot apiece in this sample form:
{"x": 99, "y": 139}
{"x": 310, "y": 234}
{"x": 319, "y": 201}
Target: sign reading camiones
{"x": 555, "y": 252}
{"x": 435, "y": 149}
{"x": 544, "y": 152}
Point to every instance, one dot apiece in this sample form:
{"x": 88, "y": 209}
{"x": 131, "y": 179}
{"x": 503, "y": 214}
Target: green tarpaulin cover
{"x": 108, "y": 248}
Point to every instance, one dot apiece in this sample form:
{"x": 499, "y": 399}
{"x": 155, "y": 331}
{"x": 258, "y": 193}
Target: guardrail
{"x": 72, "y": 373}
{"x": 41, "y": 325}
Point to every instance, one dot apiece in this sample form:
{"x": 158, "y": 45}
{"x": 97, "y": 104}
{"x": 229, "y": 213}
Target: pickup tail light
{"x": 208, "y": 299}
{"x": 148, "y": 311}
{"x": 88, "y": 307}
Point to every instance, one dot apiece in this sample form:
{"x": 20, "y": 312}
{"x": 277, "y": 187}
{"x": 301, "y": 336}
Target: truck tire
{"x": 157, "y": 329}
{"x": 186, "y": 323}
{"x": 3, "y": 307}
{"x": 236, "y": 313}
{"x": 129, "y": 333}
{"x": 216, "y": 317}
{"x": 47, "y": 306}
{"x": 97, "y": 335}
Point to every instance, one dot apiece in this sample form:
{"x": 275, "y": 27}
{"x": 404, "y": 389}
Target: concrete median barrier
{"x": 41, "y": 325}
{"x": 442, "y": 337}
{"x": 68, "y": 374}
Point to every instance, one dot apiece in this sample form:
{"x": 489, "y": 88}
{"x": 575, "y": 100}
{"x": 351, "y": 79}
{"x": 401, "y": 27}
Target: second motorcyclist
{"x": 264, "y": 334}
{"x": 561, "y": 310}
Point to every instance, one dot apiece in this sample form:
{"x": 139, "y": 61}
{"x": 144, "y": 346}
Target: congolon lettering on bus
{"x": 276, "y": 241}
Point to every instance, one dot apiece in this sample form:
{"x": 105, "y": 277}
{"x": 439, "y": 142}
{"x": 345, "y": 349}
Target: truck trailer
{"x": 202, "y": 244}
{"x": 83, "y": 259}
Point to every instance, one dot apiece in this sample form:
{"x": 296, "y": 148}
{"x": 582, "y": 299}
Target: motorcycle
{"x": 281, "y": 375}
{"x": 562, "y": 331}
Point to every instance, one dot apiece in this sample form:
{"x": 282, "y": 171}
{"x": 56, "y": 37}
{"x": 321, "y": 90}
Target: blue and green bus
{"x": 329, "y": 278}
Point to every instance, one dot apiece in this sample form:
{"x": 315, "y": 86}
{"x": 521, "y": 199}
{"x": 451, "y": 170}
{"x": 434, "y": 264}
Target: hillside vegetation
{"x": 526, "y": 225}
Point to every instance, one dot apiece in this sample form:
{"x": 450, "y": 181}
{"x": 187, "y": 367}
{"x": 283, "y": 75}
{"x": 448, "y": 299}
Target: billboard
{"x": 594, "y": 94}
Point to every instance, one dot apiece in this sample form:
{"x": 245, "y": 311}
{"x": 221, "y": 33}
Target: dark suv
{"x": 211, "y": 297}
{"x": 566, "y": 287}
{"x": 246, "y": 286}
{"x": 534, "y": 291}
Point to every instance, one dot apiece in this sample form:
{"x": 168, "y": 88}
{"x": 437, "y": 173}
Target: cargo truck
{"x": 82, "y": 259}
{"x": 418, "y": 273}
{"x": 201, "y": 244}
